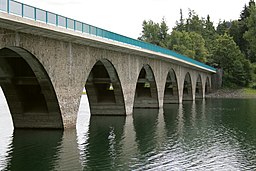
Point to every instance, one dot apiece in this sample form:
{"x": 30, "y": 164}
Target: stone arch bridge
{"x": 44, "y": 69}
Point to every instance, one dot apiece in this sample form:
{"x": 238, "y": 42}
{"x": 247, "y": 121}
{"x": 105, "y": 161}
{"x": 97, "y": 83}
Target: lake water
{"x": 215, "y": 134}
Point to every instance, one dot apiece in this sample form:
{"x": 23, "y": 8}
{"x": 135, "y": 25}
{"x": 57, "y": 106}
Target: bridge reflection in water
{"x": 211, "y": 134}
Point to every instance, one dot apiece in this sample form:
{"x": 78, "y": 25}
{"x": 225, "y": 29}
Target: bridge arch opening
{"x": 207, "y": 86}
{"x": 28, "y": 90}
{"x": 199, "y": 88}
{"x": 146, "y": 90}
{"x": 171, "y": 94}
{"x": 187, "y": 88}
{"x": 104, "y": 90}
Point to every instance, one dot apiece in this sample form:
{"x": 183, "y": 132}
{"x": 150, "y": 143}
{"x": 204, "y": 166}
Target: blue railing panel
{"x": 85, "y": 28}
{"x": 17, "y": 8}
{"x": 28, "y": 11}
{"x": 61, "y": 21}
{"x": 52, "y": 18}
{"x": 41, "y": 15}
{"x": 79, "y": 26}
{"x": 3, "y": 5}
{"x": 70, "y": 24}
{"x": 93, "y": 30}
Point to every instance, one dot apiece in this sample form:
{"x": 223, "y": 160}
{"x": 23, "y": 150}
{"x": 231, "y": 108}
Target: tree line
{"x": 230, "y": 46}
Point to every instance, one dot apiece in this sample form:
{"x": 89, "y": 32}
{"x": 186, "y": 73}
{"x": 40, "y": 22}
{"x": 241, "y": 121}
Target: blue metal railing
{"x": 30, "y": 12}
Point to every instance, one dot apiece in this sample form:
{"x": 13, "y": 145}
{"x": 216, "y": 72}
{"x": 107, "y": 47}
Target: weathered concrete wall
{"x": 68, "y": 66}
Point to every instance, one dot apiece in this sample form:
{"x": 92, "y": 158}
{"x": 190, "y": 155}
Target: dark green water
{"x": 204, "y": 135}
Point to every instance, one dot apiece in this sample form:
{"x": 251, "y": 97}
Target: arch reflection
{"x": 35, "y": 149}
{"x": 103, "y": 145}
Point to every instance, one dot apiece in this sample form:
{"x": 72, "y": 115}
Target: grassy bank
{"x": 249, "y": 91}
{"x": 233, "y": 93}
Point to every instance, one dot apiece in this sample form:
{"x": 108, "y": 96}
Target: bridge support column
{"x": 129, "y": 93}
{"x": 180, "y": 96}
{"x": 203, "y": 87}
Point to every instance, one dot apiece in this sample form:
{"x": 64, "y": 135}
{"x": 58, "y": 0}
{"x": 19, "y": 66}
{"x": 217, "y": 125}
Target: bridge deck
{"x": 52, "y": 19}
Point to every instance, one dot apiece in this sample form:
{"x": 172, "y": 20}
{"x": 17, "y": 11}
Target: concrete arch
{"x": 171, "y": 92}
{"x": 187, "y": 88}
{"x": 207, "y": 87}
{"x": 28, "y": 90}
{"x": 146, "y": 94}
{"x": 199, "y": 87}
{"x": 104, "y": 90}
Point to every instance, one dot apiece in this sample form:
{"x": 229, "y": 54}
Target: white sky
{"x": 126, "y": 16}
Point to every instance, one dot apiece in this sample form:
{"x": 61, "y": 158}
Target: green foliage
{"x": 190, "y": 44}
{"x": 250, "y": 91}
{"x": 250, "y": 34}
{"x": 227, "y": 55}
{"x": 223, "y": 27}
{"x": 231, "y": 46}
{"x": 238, "y": 28}
{"x": 155, "y": 33}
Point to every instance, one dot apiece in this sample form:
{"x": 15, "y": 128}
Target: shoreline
{"x": 242, "y": 93}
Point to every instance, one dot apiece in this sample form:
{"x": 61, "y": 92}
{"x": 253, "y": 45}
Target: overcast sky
{"x": 126, "y": 16}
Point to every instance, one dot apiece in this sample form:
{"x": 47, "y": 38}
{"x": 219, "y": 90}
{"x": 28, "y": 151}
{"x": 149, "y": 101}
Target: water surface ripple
{"x": 202, "y": 135}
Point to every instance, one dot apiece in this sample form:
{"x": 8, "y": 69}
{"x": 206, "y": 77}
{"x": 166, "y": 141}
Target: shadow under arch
{"x": 28, "y": 90}
{"x": 146, "y": 90}
{"x": 104, "y": 90}
{"x": 171, "y": 94}
{"x": 207, "y": 86}
{"x": 187, "y": 88}
{"x": 199, "y": 88}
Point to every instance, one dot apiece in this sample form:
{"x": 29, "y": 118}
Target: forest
{"x": 231, "y": 45}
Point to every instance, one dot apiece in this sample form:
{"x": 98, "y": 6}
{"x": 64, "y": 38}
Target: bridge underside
{"x": 171, "y": 94}
{"x": 146, "y": 90}
{"x": 28, "y": 90}
{"x": 104, "y": 90}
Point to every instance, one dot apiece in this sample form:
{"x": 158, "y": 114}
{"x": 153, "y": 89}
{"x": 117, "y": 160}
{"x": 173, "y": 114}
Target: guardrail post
{"x": 46, "y": 15}
{"x": 74, "y": 25}
{"x": 8, "y": 6}
{"x": 22, "y": 10}
{"x": 66, "y": 22}
{"x": 35, "y": 13}
{"x": 57, "y": 20}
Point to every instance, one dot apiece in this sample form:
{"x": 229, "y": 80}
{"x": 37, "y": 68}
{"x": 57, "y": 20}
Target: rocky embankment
{"x": 230, "y": 93}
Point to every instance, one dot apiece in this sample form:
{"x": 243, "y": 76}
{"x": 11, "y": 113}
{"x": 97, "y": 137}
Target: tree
{"x": 155, "y": 33}
{"x": 190, "y": 44}
{"x": 238, "y": 28}
{"x": 209, "y": 34}
{"x": 249, "y": 35}
{"x": 227, "y": 55}
{"x": 209, "y": 30}
{"x": 150, "y": 32}
{"x": 163, "y": 34}
{"x": 223, "y": 27}
{"x": 180, "y": 26}
{"x": 192, "y": 24}
{"x": 201, "y": 26}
